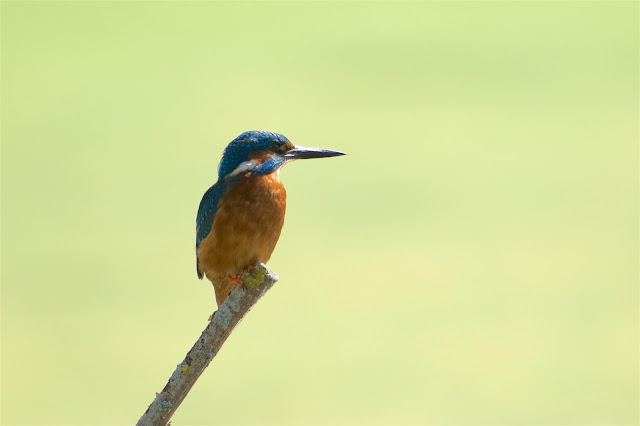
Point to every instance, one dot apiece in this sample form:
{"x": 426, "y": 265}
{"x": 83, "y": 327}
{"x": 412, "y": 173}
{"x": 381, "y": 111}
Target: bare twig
{"x": 222, "y": 323}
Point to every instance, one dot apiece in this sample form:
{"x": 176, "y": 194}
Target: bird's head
{"x": 264, "y": 153}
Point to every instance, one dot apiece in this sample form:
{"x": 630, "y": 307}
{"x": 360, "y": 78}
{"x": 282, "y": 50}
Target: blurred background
{"x": 473, "y": 260}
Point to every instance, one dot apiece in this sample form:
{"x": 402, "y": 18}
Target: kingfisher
{"x": 241, "y": 216}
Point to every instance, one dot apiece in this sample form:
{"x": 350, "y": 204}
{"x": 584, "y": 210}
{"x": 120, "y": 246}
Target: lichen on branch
{"x": 256, "y": 282}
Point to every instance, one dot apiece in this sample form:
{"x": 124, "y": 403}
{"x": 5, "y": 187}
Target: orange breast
{"x": 246, "y": 226}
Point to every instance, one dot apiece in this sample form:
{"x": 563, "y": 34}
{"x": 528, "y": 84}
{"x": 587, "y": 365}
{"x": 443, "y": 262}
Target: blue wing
{"x": 207, "y": 211}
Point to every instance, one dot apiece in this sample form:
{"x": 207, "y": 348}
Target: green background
{"x": 473, "y": 260}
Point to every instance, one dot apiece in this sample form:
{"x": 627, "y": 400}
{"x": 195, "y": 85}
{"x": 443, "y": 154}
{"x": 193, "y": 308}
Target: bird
{"x": 241, "y": 216}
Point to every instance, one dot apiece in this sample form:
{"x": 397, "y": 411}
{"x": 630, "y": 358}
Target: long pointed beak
{"x": 301, "y": 152}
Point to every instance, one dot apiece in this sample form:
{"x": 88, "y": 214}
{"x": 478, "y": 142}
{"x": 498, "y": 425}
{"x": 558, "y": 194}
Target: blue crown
{"x": 239, "y": 149}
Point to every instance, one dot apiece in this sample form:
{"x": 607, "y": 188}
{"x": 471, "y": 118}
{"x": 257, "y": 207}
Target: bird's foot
{"x": 235, "y": 280}
{"x": 251, "y": 277}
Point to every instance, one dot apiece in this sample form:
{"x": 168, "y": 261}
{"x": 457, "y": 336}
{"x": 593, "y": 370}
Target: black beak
{"x": 301, "y": 152}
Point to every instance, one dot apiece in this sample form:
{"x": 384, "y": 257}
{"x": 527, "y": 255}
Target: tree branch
{"x": 256, "y": 283}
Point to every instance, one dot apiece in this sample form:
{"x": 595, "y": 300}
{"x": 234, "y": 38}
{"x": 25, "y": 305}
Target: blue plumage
{"x": 270, "y": 165}
{"x": 247, "y": 143}
{"x": 208, "y": 207}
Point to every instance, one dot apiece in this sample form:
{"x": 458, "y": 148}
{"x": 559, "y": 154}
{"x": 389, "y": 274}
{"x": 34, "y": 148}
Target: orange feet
{"x": 235, "y": 280}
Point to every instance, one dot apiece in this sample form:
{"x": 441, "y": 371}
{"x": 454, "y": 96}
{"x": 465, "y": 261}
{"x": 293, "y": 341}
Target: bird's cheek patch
{"x": 243, "y": 167}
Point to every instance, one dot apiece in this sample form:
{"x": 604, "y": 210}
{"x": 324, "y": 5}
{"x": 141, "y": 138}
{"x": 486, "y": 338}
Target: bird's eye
{"x": 283, "y": 148}
{"x": 279, "y": 148}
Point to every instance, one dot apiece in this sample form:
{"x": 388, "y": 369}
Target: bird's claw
{"x": 235, "y": 280}
{"x": 251, "y": 277}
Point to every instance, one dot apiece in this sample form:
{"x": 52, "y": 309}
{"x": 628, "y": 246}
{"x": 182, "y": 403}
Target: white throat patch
{"x": 243, "y": 167}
